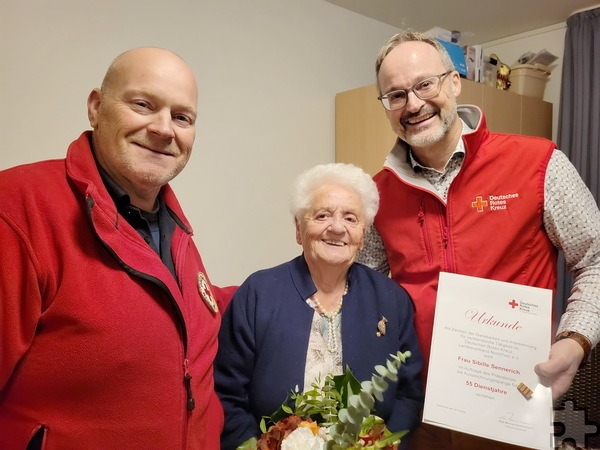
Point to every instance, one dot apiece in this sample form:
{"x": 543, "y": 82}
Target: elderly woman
{"x": 317, "y": 313}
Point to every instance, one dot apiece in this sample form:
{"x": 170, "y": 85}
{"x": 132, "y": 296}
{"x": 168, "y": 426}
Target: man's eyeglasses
{"x": 424, "y": 89}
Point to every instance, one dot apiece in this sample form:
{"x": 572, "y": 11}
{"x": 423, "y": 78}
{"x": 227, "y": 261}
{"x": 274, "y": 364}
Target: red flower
{"x": 271, "y": 440}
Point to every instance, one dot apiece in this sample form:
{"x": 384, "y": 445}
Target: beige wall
{"x": 268, "y": 72}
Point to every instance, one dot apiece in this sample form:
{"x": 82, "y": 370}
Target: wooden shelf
{"x": 363, "y": 135}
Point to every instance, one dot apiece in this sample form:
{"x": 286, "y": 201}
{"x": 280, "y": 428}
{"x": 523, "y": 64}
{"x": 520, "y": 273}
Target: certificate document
{"x": 487, "y": 337}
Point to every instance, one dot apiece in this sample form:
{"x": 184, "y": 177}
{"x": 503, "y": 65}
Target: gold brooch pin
{"x": 381, "y": 326}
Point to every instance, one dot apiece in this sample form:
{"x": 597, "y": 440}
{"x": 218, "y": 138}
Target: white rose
{"x": 302, "y": 438}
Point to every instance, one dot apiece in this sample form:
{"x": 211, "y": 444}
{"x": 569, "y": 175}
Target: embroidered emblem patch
{"x": 479, "y": 203}
{"x": 493, "y": 202}
{"x": 206, "y": 293}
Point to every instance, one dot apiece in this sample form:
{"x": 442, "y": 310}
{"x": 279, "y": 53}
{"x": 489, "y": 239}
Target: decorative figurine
{"x": 502, "y": 73}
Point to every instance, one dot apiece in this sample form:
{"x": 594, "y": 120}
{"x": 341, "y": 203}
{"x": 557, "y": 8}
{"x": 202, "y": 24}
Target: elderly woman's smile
{"x": 336, "y": 243}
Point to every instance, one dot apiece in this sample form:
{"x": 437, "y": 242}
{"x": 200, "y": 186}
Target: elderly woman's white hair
{"x": 341, "y": 174}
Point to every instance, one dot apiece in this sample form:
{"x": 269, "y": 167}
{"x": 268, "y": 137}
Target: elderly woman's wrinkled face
{"x": 332, "y": 230}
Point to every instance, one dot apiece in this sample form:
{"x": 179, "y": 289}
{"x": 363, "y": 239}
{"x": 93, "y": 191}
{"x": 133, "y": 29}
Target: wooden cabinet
{"x": 363, "y": 135}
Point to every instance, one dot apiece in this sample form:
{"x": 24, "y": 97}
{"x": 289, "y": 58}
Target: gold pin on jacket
{"x": 381, "y": 326}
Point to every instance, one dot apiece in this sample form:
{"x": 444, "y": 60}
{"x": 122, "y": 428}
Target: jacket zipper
{"x": 190, "y": 402}
{"x": 449, "y": 260}
{"x": 425, "y": 233}
{"x": 448, "y": 266}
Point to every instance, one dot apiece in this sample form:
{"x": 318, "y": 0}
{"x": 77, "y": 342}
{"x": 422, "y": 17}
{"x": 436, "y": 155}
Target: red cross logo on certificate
{"x": 513, "y": 304}
{"x": 479, "y": 203}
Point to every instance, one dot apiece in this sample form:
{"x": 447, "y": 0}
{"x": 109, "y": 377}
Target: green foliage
{"x": 344, "y": 405}
{"x": 355, "y": 417}
{"x": 250, "y": 444}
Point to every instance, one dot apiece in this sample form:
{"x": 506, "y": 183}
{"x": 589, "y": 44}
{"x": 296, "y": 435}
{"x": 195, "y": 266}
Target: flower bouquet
{"x": 333, "y": 415}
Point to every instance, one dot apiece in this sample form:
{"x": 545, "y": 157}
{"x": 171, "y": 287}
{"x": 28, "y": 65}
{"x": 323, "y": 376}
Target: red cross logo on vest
{"x": 479, "y": 203}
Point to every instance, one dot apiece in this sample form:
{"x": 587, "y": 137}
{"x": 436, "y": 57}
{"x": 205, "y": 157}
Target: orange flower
{"x": 313, "y": 426}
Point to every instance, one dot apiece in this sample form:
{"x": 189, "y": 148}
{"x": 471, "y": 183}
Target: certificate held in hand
{"x": 487, "y": 337}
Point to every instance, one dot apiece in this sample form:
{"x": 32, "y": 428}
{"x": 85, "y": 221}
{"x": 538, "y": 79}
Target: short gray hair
{"x": 411, "y": 36}
{"x": 341, "y": 174}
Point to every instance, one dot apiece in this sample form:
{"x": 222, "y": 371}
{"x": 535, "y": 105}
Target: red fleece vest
{"x": 490, "y": 227}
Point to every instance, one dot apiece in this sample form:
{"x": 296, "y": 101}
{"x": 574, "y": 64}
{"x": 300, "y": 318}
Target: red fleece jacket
{"x": 97, "y": 337}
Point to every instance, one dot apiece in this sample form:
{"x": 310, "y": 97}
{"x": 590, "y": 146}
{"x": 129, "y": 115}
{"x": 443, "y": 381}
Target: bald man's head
{"x": 143, "y": 119}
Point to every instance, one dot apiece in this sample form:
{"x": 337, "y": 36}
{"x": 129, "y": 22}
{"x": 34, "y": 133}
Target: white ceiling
{"x": 481, "y": 20}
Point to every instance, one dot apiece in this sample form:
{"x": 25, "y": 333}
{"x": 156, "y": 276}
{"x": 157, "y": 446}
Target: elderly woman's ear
{"x": 362, "y": 241}
{"x": 298, "y": 236}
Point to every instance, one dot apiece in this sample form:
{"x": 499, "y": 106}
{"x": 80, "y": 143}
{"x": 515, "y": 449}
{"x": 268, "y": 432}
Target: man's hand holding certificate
{"x": 487, "y": 337}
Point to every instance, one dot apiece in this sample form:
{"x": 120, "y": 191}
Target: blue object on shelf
{"x": 456, "y": 55}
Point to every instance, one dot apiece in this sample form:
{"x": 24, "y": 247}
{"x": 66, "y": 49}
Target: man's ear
{"x": 93, "y": 105}
{"x": 456, "y": 84}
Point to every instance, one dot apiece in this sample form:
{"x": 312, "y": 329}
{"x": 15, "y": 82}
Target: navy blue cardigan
{"x": 264, "y": 337}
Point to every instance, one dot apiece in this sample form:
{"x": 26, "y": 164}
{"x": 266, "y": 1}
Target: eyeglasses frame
{"x": 383, "y": 97}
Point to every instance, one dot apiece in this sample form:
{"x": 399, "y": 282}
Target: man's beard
{"x": 429, "y": 137}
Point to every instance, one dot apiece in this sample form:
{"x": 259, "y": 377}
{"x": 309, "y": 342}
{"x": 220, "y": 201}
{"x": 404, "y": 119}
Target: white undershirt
{"x": 319, "y": 360}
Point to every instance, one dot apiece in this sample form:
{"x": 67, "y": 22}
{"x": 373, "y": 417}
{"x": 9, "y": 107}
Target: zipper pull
{"x": 445, "y": 237}
{"x": 191, "y": 404}
{"x": 421, "y": 214}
